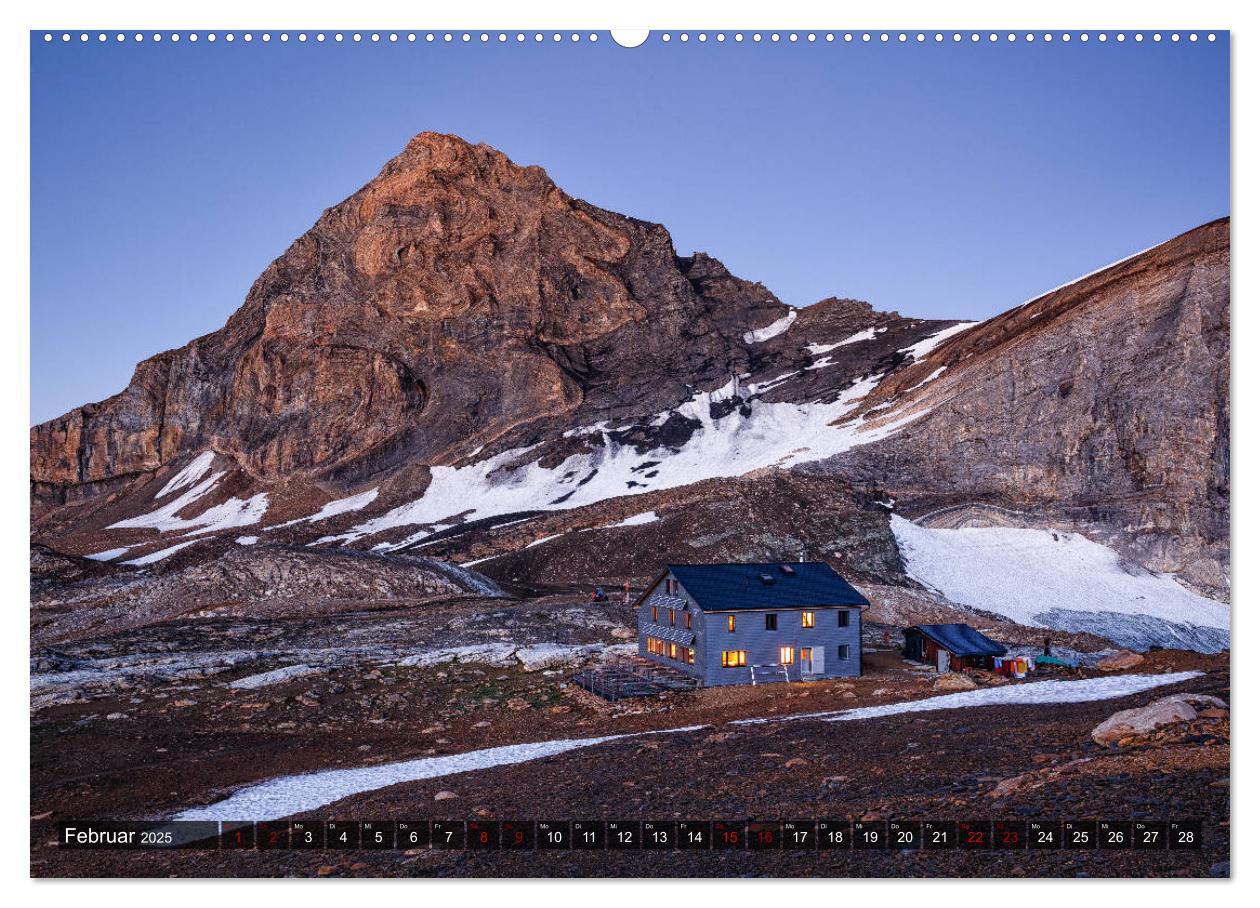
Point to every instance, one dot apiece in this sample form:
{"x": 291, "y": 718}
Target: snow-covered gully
{"x": 288, "y": 795}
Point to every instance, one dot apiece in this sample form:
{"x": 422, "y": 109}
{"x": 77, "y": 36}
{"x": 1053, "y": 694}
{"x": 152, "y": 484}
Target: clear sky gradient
{"x": 950, "y": 180}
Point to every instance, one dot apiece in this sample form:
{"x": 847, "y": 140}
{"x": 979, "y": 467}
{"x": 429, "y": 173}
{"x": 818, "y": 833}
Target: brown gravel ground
{"x": 941, "y": 765}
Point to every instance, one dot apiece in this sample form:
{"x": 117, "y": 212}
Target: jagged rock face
{"x": 1103, "y": 404}
{"x": 456, "y": 300}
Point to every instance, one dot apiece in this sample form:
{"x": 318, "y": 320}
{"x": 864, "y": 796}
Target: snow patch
{"x": 772, "y": 435}
{"x": 936, "y": 373}
{"x": 1029, "y": 693}
{"x": 154, "y": 557}
{"x": 864, "y": 335}
{"x": 166, "y": 514}
{"x": 333, "y": 508}
{"x": 289, "y": 795}
{"x": 544, "y": 539}
{"x": 189, "y": 475}
{"x": 769, "y": 384}
{"x": 774, "y": 329}
{"x": 1042, "y": 578}
{"x": 234, "y": 512}
{"x": 111, "y": 554}
{"x": 932, "y": 341}
{"x": 288, "y": 673}
{"x": 246, "y": 540}
{"x": 634, "y": 520}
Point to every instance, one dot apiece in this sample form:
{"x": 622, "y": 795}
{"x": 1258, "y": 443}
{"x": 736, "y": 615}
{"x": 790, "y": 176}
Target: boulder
{"x": 954, "y": 681}
{"x": 1120, "y": 660}
{"x": 1143, "y": 720}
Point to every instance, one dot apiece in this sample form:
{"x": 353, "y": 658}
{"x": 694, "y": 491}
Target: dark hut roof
{"x": 961, "y": 639}
{"x": 724, "y": 587}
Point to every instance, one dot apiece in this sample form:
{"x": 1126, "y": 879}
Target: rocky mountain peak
{"x": 460, "y": 348}
{"x": 458, "y": 301}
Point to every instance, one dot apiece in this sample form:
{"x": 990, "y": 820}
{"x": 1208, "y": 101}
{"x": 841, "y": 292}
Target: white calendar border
{"x": 572, "y": 14}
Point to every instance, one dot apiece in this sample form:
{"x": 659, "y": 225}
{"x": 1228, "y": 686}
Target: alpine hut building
{"x": 752, "y": 623}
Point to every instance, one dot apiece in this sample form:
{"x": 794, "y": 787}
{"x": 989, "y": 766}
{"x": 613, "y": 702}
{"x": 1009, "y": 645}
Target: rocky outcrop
{"x": 1103, "y": 405}
{"x": 228, "y": 579}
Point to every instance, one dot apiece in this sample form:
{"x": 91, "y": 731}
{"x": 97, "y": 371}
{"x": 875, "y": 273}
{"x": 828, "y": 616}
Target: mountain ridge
{"x": 460, "y": 347}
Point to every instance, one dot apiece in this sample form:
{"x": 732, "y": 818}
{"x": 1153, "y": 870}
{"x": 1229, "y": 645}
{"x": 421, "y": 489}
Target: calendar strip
{"x": 638, "y": 835}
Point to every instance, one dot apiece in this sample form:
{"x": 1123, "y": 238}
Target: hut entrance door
{"x": 942, "y": 660}
{"x": 807, "y": 661}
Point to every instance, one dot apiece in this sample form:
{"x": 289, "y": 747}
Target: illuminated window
{"x": 785, "y": 655}
{"x": 842, "y": 617}
{"x": 687, "y": 619}
{"x": 673, "y": 651}
{"x": 844, "y": 651}
{"x": 807, "y": 619}
{"x": 671, "y": 617}
{"x": 772, "y": 622}
{"x": 655, "y": 617}
{"x": 691, "y": 655}
{"x": 734, "y": 658}
{"x": 730, "y": 623}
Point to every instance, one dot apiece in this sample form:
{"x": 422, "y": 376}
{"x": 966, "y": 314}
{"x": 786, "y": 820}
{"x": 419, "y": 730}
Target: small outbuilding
{"x": 950, "y": 647}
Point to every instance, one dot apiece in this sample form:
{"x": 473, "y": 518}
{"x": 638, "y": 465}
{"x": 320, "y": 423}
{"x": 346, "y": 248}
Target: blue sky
{"x": 950, "y": 180}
